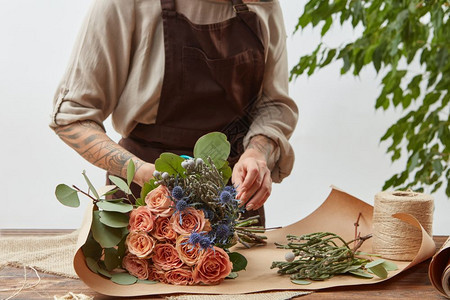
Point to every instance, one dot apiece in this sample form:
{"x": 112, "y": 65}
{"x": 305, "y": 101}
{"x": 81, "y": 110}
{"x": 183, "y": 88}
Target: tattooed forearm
{"x": 264, "y": 145}
{"x": 91, "y": 142}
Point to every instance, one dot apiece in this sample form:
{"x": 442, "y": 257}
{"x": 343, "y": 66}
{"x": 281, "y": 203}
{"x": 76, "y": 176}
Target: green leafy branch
{"x": 396, "y": 34}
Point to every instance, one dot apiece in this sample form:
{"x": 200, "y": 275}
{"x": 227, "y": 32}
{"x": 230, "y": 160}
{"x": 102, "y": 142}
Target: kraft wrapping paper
{"x": 439, "y": 270}
{"x": 337, "y": 214}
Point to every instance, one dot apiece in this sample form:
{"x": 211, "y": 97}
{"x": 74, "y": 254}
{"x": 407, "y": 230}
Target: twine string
{"x": 24, "y": 284}
{"x": 393, "y": 238}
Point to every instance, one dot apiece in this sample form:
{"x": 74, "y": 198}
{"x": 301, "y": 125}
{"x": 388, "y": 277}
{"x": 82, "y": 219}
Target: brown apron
{"x": 213, "y": 76}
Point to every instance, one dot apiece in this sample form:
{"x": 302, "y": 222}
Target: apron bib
{"x": 212, "y": 78}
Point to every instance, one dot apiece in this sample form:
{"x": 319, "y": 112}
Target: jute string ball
{"x": 393, "y": 238}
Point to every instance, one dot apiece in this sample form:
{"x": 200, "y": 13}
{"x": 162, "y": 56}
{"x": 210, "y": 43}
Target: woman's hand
{"x": 91, "y": 142}
{"x": 144, "y": 173}
{"x": 251, "y": 174}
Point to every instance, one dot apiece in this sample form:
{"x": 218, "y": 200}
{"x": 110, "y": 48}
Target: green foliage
{"x": 395, "y": 35}
{"x": 114, "y": 206}
{"x": 170, "y": 163}
{"x": 121, "y": 184}
{"x": 300, "y": 282}
{"x": 106, "y": 236}
{"x": 239, "y": 261}
{"x": 67, "y": 195}
{"x": 131, "y": 168}
{"x": 214, "y": 145}
{"x": 123, "y": 278}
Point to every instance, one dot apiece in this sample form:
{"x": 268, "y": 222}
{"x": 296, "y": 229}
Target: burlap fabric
{"x": 54, "y": 255}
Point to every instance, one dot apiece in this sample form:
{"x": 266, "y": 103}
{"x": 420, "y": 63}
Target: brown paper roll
{"x": 392, "y": 238}
{"x": 439, "y": 270}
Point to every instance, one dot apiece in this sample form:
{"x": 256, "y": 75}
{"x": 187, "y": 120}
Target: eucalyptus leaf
{"x": 389, "y": 266}
{"x": 123, "y": 278}
{"x": 378, "y": 270}
{"x": 170, "y": 163}
{"x": 148, "y": 187}
{"x": 114, "y": 206}
{"x": 238, "y": 260}
{"x": 214, "y": 145}
{"x": 375, "y": 263}
{"x": 111, "y": 259}
{"x": 104, "y": 272}
{"x": 121, "y": 248}
{"x": 106, "y": 236}
{"x": 147, "y": 281}
{"x": 121, "y": 184}
{"x": 226, "y": 172}
{"x": 67, "y": 195}
{"x": 140, "y": 202}
{"x": 91, "y": 248}
{"x": 92, "y": 264}
{"x": 300, "y": 282}
{"x": 114, "y": 219}
{"x": 360, "y": 273}
{"x": 232, "y": 275}
{"x": 91, "y": 187}
{"x": 131, "y": 169}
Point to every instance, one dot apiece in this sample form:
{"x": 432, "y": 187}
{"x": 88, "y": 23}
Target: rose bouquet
{"x": 179, "y": 231}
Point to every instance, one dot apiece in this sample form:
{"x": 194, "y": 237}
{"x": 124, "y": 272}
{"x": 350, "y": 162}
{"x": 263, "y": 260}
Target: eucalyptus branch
{"x": 84, "y": 193}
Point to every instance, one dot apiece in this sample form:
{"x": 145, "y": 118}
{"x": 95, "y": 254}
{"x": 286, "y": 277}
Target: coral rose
{"x": 140, "y": 244}
{"x": 181, "y": 276}
{"x": 189, "y": 253}
{"x": 135, "y": 266}
{"x": 141, "y": 219}
{"x": 166, "y": 257}
{"x": 191, "y": 220}
{"x": 155, "y": 274}
{"x": 158, "y": 201}
{"x": 213, "y": 266}
{"x": 163, "y": 230}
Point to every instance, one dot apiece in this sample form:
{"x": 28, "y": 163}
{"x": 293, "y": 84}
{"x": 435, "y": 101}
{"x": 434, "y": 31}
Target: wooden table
{"x": 411, "y": 284}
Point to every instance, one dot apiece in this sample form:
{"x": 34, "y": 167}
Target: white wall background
{"x": 336, "y": 141}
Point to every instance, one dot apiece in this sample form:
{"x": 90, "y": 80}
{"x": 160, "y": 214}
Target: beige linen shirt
{"x": 117, "y": 68}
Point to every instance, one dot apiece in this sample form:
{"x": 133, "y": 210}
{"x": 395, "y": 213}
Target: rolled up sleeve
{"x": 98, "y": 67}
{"x": 276, "y": 113}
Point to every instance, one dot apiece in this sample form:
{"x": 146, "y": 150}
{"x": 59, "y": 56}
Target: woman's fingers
{"x": 262, "y": 194}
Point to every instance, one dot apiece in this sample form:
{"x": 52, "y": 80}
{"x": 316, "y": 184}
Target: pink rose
{"x": 163, "y": 230}
{"x": 191, "y": 220}
{"x": 141, "y": 219}
{"x": 156, "y": 274}
{"x": 135, "y": 266}
{"x": 165, "y": 257}
{"x": 213, "y": 266}
{"x": 140, "y": 244}
{"x": 158, "y": 201}
{"x": 189, "y": 254}
{"x": 181, "y": 276}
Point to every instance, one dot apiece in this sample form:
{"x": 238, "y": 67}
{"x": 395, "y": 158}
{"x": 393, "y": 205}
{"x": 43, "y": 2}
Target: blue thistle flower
{"x": 181, "y": 205}
{"x": 230, "y": 189}
{"x": 205, "y": 242}
{"x": 209, "y": 214}
{"x": 222, "y": 232}
{"x": 225, "y": 197}
{"x": 195, "y": 238}
{"x": 178, "y": 192}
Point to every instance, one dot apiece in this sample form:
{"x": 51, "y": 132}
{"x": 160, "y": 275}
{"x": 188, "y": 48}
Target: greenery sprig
{"x": 322, "y": 255}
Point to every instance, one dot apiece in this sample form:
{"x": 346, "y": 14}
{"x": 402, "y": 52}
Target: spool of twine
{"x": 393, "y": 238}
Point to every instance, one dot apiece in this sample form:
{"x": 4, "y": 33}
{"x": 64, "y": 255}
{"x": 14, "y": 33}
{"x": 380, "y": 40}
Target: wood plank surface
{"x": 411, "y": 284}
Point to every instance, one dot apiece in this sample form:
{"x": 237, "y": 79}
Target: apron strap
{"x": 168, "y": 5}
{"x": 239, "y": 6}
